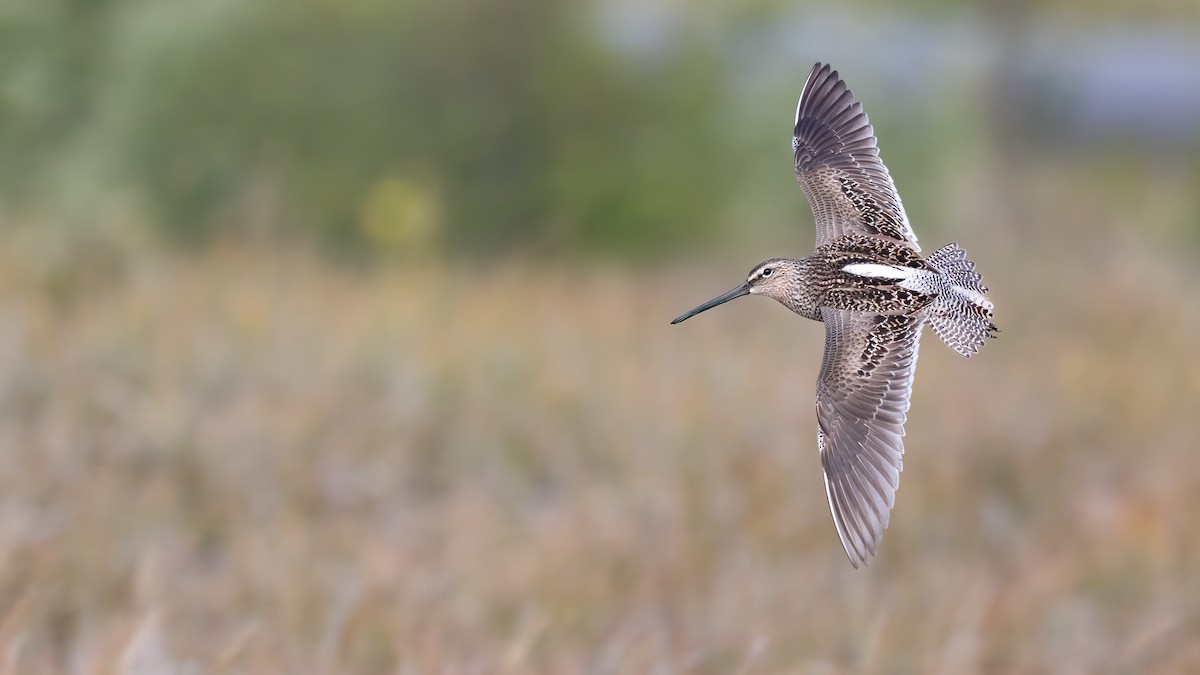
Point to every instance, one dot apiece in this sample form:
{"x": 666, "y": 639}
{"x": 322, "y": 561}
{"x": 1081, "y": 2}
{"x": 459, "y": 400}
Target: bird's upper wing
{"x": 862, "y": 398}
{"x": 838, "y": 165}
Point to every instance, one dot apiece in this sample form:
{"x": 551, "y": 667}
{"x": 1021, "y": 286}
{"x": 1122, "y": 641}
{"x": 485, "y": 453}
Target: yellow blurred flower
{"x": 398, "y": 214}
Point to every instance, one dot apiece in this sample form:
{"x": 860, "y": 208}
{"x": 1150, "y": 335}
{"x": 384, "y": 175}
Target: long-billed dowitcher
{"x": 868, "y": 283}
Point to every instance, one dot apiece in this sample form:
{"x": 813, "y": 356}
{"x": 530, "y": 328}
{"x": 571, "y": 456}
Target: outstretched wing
{"x": 862, "y": 398}
{"x": 838, "y": 165}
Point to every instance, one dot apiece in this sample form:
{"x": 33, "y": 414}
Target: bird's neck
{"x": 802, "y": 291}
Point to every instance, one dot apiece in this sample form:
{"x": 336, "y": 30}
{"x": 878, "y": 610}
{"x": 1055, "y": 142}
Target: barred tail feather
{"x": 962, "y": 314}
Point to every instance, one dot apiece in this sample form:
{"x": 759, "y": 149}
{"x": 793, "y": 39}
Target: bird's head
{"x": 772, "y": 278}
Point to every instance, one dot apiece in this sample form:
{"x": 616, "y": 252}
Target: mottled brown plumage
{"x": 867, "y": 282}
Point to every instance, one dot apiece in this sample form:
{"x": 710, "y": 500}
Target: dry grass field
{"x": 253, "y": 462}
{"x": 334, "y": 339}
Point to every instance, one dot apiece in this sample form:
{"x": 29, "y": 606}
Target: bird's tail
{"x": 962, "y": 313}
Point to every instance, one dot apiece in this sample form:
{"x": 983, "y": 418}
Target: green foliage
{"x": 513, "y": 122}
{"x": 429, "y": 127}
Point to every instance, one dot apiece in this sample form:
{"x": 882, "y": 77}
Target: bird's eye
{"x": 767, "y": 272}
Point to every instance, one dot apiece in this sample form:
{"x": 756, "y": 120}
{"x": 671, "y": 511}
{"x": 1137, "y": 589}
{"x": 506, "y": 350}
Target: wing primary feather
{"x": 838, "y": 524}
{"x": 805, "y": 89}
{"x": 853, "y": 511}
{"x": 863, "y": 498}
{"x": 850, "y": 524}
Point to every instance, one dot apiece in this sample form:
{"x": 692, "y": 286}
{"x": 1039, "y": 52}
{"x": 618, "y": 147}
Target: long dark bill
{"x": 738, "y": 292}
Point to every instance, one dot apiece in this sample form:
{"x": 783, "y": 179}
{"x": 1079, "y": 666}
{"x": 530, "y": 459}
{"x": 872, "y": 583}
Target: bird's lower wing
{"x": 862, "y": 400}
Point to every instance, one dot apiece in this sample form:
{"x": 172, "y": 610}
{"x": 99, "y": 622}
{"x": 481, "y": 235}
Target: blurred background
{"x": 333, "y": 338}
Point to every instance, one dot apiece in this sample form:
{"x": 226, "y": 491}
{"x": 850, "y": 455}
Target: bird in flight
{"x": 868, "y": 283}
